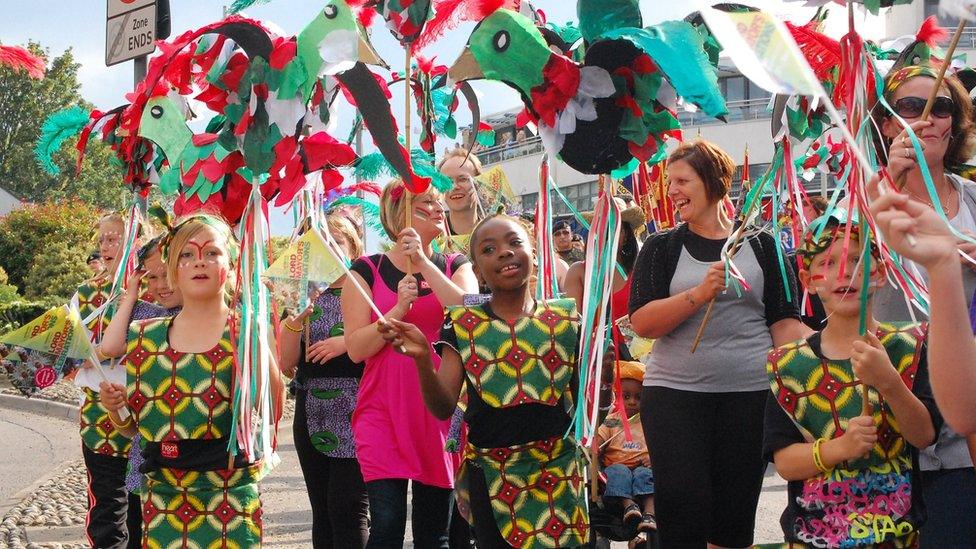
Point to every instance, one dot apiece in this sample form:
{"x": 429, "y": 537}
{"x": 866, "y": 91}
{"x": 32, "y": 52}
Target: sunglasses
{"x": 912, "y": 107}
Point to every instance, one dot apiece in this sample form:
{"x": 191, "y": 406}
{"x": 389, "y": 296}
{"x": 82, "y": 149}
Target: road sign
{"x": 130, "y": 30}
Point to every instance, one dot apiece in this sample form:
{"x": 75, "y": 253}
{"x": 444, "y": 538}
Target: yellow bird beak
{"x": 464, "y": 68}
{"x": 367, "y": 54}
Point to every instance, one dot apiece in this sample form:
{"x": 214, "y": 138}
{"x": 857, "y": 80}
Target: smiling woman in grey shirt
{"x": 702, "y": 413}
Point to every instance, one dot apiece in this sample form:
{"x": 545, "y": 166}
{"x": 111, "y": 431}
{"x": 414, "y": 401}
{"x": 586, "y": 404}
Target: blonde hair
{"x": 462, "y": 153}
{"x": 338, "y": 224}
{"x": 393, "y": 215}
{"x": 184, "y": 231}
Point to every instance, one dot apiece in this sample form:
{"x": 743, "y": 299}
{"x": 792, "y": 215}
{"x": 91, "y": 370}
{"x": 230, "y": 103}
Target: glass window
{"x": 735, "y": 88}
{"x": 932, "y": 8}
{"x": 755, "y": 92}
{"x": 529, "y": 201}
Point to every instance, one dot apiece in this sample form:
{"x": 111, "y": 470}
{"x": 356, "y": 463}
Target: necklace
{"x": 942, "y": 201}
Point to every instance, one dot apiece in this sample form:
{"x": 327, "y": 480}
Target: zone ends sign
{"x": 130, "y": 30}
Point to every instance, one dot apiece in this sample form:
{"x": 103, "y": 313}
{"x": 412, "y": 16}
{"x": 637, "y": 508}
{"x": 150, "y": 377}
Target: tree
{"x": 57, "y": 272}
{"x": 8, "y": 292}
{"x": 24, "y": 105}
{"x": 25, "y": 236}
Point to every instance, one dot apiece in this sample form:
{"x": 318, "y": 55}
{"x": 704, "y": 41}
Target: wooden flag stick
{"x": 900, "y": 182}
{"x": 408, "y": 196}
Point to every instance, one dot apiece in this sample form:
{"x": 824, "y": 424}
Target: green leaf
{"x": 326, "y": 394}
{"x": 325, "y": 441}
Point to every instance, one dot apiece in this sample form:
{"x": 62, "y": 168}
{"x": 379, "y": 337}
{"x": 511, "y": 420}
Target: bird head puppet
{"x": 601, "y": 114}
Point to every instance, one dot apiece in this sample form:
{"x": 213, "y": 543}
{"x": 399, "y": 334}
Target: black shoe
{"x": 648, "y": 523}
{"x": 632, "y": 516}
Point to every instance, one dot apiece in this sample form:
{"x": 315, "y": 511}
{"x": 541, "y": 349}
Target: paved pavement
{"x": 32, "y": 447}
{"x": 40, "y": 454}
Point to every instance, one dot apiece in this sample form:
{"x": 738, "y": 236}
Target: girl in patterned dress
{"x": 313, "y": 352}
{"x": 112, "y": 513}
{"x": 521, "y": 482}
{"x": 180, "y": 374}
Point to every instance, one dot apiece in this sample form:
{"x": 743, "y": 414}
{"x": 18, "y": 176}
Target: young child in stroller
{"x": 627, "y": 465}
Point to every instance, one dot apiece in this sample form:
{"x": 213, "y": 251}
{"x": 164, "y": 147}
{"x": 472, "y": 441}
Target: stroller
{"x": 606, "y": 525}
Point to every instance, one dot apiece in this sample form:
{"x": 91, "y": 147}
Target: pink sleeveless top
{"x": 396, "y": 436}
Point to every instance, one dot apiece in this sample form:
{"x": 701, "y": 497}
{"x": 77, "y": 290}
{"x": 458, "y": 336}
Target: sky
{"x": 61, "y": 24}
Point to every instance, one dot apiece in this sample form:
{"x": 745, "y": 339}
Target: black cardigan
{"x": 658, "y": 261}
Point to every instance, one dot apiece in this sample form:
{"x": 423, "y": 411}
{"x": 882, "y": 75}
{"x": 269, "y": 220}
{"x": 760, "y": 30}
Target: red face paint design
{"x": 199, "y": 248}
{"x": 815, "y": 278}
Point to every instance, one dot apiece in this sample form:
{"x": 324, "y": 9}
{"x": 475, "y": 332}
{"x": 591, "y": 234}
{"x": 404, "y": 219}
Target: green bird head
{"x": 163, "y": 122}
{"x": 506, "y": 46}
{"x": 334, "y": 41}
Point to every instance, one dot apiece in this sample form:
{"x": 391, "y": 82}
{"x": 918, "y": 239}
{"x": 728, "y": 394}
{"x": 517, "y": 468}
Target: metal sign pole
{"x": 138, "y": 70}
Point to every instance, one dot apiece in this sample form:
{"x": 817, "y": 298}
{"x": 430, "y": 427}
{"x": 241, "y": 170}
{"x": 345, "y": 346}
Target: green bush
{"x": 56, "y": 272}
{"x": 17, "y": 313}
{"x": 25, "y": 236}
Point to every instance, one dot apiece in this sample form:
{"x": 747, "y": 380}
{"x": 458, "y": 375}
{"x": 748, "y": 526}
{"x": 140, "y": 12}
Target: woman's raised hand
{"x": 901, "y": 152}
{"x": 410, "y": 244}
{"x": 911, "y": 228}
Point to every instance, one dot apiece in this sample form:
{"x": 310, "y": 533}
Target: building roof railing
{"x": 739, "y": 111}
{"x": 509, "y": 150}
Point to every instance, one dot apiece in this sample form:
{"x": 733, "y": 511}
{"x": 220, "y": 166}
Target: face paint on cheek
{"x": 816, "y": 278}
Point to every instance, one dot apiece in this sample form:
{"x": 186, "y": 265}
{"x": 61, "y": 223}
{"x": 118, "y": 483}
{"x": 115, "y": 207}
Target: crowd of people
{"x": 462, "y": 393}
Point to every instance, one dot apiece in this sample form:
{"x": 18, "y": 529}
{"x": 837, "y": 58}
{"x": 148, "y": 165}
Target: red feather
{"x": 930, "y": 32}
{"x": 365, "y": 186}
{"x": 19, "y": 58}
{"x": 448, "y": 14}
{"x": 822, "y": 53}
{"x": 366, "y": 17}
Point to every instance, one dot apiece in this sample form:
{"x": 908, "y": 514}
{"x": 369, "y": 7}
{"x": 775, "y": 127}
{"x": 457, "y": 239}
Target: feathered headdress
{"x": 18, "y": 58}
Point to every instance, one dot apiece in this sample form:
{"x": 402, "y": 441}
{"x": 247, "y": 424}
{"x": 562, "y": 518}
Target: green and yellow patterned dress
{"x": 181, "y": 403}
{"x": 869, "y": 502}
{"x": 98, "y": 434}
{"x": 518, "y": 378}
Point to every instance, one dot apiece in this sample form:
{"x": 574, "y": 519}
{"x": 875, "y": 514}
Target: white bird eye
{"x": 501, "y": 41}
{"x": 156, "y": 111}
{"x": 330, "y": 11}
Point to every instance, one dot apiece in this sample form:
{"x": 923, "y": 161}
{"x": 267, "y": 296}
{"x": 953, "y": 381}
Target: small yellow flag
{"x": 307, "y": 260}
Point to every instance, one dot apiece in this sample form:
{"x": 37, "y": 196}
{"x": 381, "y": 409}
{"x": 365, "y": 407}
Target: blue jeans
{"x": 431, "y": 510}
{"x": 624, "y": 482}
{"x": 950, "y": 499}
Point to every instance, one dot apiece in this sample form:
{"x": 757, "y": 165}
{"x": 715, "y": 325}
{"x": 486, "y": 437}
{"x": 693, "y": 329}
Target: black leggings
{"x": 114, "y": 519}
{"x": 336, "y": 490}
{"x": 706, "y": 450}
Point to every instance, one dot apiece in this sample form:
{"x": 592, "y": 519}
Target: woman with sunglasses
{"x": 946, "y": 140}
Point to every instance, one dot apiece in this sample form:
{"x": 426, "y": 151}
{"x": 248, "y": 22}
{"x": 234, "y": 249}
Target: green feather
{"x": 371, "y": 211}
{"x": 440, "y": 182}
{"x": 56, "y": 129}
{"x": 239, "y": 5}
{"x": 600, "y": 16}
{"x": 159, "y": 213}
{"x": 371, "y": 166}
